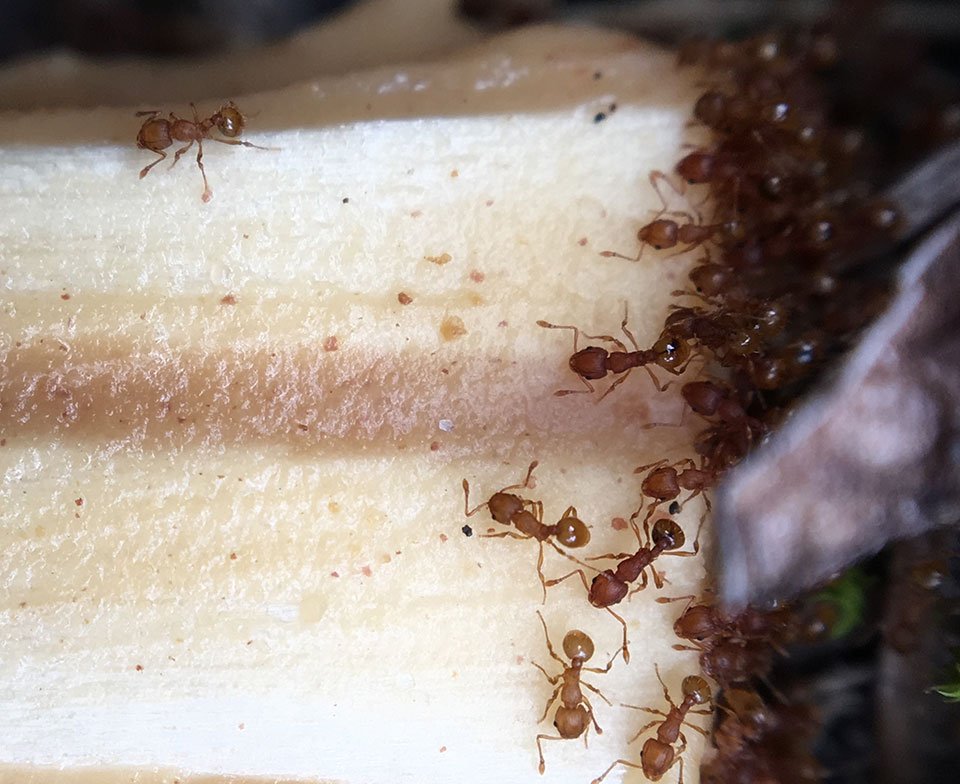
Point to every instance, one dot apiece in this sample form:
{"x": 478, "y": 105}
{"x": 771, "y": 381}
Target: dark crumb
{"x": 467, "y": 530}
{"x": 674, "y": 508}
{"x": 434, "y": 446}
{"x": 346, "y": 200}
{"x": 330, "y": 344}
{"x": 599, "y": 117}
{"x": 404, "y": 299}
{"x": 64, "y": 296}
{"x": 612, "y": 108}
{"x": 79, "y": 502}
{"x": 598, "y": 75}
{"x": 139, "y": 668}
{"x": 228, "y": 300}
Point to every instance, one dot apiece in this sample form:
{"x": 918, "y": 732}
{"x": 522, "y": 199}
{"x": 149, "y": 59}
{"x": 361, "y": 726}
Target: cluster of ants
{"x": 780, "y": 288}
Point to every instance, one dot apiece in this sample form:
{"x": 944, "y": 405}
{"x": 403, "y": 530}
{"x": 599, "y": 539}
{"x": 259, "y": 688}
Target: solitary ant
{"x": 156, "y": 134}
{"x": 664, "y": 233}
{"x": 659, "y": 754}
{"x": 509, "y": 509}
{"x": 591, "y": 363}
{"x": 572, "y": 720}
{"x": 609, "y": 587}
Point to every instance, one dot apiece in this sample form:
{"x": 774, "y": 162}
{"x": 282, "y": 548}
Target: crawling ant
{"x": 609, "y": 587}
{"x": 659, "y": 754}
{"x": 669, "y": 353}
{"x": 509, "y": 509}
{"x": 700, "y": 623}
{"x": 730, "y": 661}
{"x": 572, "y": 719}
{"x": 156, "y": 134}
{"x": 664, "y": 483}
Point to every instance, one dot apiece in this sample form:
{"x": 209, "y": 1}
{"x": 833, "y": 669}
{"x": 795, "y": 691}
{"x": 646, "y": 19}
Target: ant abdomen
{"x": 572, "y": 532}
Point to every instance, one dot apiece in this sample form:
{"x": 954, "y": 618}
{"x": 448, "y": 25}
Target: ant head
{"x": 504, "y": 507}
{"x": 668, "y": 531}
{"x": 573, "y": 532}
{"x": 230, "y": 120}
{"x": 578, "y": 646}
{"x": 696, "y": 687}
{"x": 590, "y": 362}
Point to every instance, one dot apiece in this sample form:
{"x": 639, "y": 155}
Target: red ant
{"x": 664, "y": 233}
{"x": 509, "y": 509}
{"x": 669, "y": 353}
{"x": 702, "y": 622}
{"x": 156, "y": 134}
{"x": 664, "y": 483}
{"x": 659, "y": 754}
{"x": 572, "y": 720}
{"x": 609, "y": 587}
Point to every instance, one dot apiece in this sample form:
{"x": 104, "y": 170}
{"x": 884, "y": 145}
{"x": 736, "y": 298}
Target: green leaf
{"x": 848, "y": 597}
{"x": 950, "y": 691}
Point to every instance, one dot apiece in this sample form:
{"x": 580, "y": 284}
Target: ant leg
{"x": 643, "y": 583}
{"x": 610, "y": 556}
{"x": 537, "y": 507}
{"x": 145, "y": 169}
{"x": 588, "y": 391}
{"x": 207, "y": 193}
{"x": 546, "y": 634}
{"x": 657, "y": 175}
{"x": 548, "y": 325}
{"x": 618, "y": 762}
{"x": 543, "y": 766}
{"x": 569, "y": 557}
{"x": 597, "y": 691}
{"x": 196, "y": 116}
{"x": 181, "y": 151}
{"x": 656, "y": 381}
{"x": 666, "y": 691}
{"x": 147, "y": 113}
{"x": 550, "y": 702}
{"x": 701, "y": 730}
{"x": 612, "y": 254}
{"x": 503, "y": 534}
{"x": 627, "y": 332}
{"x": 623, "y": 623}
{"x": 659, "y": 464}
{"x": 543, "y": 580}
{"x": 466, "y": 501}
{"x": 602, "y": 669}
{"x": 558, "y": 580}
{"x": 683, "y": 416}
{"x": 645, "y": 727}
{"x": 615, "y": 384}
{"x": 526, "y": 481}
{"x": 242, "y": 143}
{"x": 591, "y": 715}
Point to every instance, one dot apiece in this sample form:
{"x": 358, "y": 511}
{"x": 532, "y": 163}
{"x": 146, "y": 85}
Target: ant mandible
{"x": 609, "y": 587}
{"x": 572, "y": 720}
{"x": 509, "y": 509}
{"x": 659, "y": 754}
{"x": 156, "y": 134}
{"x": 669, "y": 353}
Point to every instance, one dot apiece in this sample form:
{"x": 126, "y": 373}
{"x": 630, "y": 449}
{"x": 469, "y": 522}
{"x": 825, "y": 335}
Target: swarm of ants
{"x": 795, "y": 263}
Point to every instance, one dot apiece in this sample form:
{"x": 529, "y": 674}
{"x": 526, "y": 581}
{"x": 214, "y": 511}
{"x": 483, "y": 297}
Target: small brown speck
{"x": 64, "y": 296}
{"x": 519, "y": 660}
{"x": 330, "y": 344}
{"x": 240, "y": 726}
{"x": 334, "y": 507}
{"x": 22, "y": 605}
{"x": 3, "y": 442}
{"x": 443, "y": 537}
{"x": 454, "y": 173}
{"x": 443, "y": 258}
{"x": 249, "y": 642}
{"x": 443, "y": 749}
{"x": 582, "y": 241}
{"x": 79, "y": 502}
{"x": 143, "y": 316}
{"x": 404, "y": 299}
{"x": 477, "y": 277}
{"x": 228, "y": 300}
{"x": 77, "y": 515}
{"x": 346, "y": 200}
{"x": 416, "y": 213}
{"x": 434, "y": 446}
{"x": 334, "y": 574}
{"x": 618, "y": 523}
{"x": 366, "y": 571}
{"x": 502, "y": 324}
{"x": 303, "y": 428}
{"x": 139, "y": 668}
{"x": 489, "y": 202}
{"x": 452, "y": 327}
{"x": 246, "y": 236}
{"x": 181, "y": 420}
{"x": 233, "y": 556}
{"x": 598, "y": 75}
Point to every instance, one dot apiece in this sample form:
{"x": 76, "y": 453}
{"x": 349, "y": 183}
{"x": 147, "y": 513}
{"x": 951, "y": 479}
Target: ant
{"x": 664, "y": 483}
{"x": 730, "y": 661}
{"x": 664, "y": 233}
{"x": 572, "y": 720}
{"x": 609, "y": 587}
{"x": 702, "y": 622}
{"x": 659, "y": 754}
{"x": 669, "y": 353}
{"x": 156, "y": 134}
{"x": 509, "y": 509}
